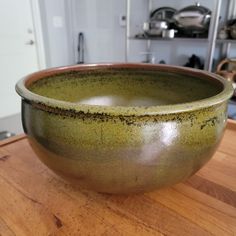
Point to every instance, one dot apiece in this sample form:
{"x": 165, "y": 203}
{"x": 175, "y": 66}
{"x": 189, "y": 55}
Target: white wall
{"x": 99, "y": 21}
{"x": 55, "y": 23}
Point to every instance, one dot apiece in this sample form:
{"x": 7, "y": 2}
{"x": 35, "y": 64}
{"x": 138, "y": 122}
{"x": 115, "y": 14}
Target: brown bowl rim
{"x": 45, "y": 102}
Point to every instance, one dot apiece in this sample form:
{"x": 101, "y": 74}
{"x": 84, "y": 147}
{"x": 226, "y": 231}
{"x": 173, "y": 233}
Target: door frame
{"x": 71, "y": 19}
{"x": 38, "y": 32}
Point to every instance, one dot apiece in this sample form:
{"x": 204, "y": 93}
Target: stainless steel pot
{"x": 195, "y": 18}
{"x": 154, "y": 27}
{"x": 163, "y": 13}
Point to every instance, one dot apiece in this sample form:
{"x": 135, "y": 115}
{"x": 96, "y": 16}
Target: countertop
{"x": 34, "y": 201}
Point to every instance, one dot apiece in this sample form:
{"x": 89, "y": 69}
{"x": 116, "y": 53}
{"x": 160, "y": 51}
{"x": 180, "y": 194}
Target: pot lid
{"x": 163, "y": 13}
{"x": 195, "y": 8}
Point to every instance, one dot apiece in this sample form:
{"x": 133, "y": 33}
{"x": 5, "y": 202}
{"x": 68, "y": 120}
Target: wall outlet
{"x": 57, "y": 21}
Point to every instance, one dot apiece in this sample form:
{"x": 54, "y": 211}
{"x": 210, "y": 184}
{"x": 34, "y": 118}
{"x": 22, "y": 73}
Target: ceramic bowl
{"x": 124, "y": 128}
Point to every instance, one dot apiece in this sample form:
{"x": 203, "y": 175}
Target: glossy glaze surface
{"x": 124, "y": 149}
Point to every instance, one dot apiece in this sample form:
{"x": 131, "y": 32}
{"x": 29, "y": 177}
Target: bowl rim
{"x": 56, "y": 106}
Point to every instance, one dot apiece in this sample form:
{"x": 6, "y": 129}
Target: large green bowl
{"x": 124, "y": 128}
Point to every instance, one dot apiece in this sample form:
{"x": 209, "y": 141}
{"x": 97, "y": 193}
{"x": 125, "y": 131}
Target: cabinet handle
{"x": 30, "y": 42}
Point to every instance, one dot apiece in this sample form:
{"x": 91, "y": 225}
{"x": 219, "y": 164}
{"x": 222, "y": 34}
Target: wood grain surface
{"x": 34, "y": 201}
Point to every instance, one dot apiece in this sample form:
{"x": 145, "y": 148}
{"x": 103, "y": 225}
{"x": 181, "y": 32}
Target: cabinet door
{"x": 18, "y": 55}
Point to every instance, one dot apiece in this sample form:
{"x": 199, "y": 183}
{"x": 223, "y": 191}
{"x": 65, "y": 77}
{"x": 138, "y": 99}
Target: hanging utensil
{"x": 80, "y": 48}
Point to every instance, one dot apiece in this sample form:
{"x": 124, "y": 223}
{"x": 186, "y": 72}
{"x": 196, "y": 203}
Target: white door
{"x": 18, "y": 54}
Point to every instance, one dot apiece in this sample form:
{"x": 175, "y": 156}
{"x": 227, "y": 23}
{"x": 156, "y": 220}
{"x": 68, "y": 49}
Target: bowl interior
{"x": 125, "y": 87}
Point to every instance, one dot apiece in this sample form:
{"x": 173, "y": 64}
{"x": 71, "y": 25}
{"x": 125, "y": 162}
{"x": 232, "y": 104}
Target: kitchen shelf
{"x": 176, "y": 39}
{"x": 211, "y": 41}
{"x": 226, "y": 40}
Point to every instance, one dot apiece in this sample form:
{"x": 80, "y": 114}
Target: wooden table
{"x": 34, "y": 201}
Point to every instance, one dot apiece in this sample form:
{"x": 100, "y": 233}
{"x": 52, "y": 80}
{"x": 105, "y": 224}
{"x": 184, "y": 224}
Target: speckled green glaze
{"x": 162, "y": 123}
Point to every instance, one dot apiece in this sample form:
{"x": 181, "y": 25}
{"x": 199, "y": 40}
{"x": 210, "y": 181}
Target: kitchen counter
{"x": 34, "y": 201}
